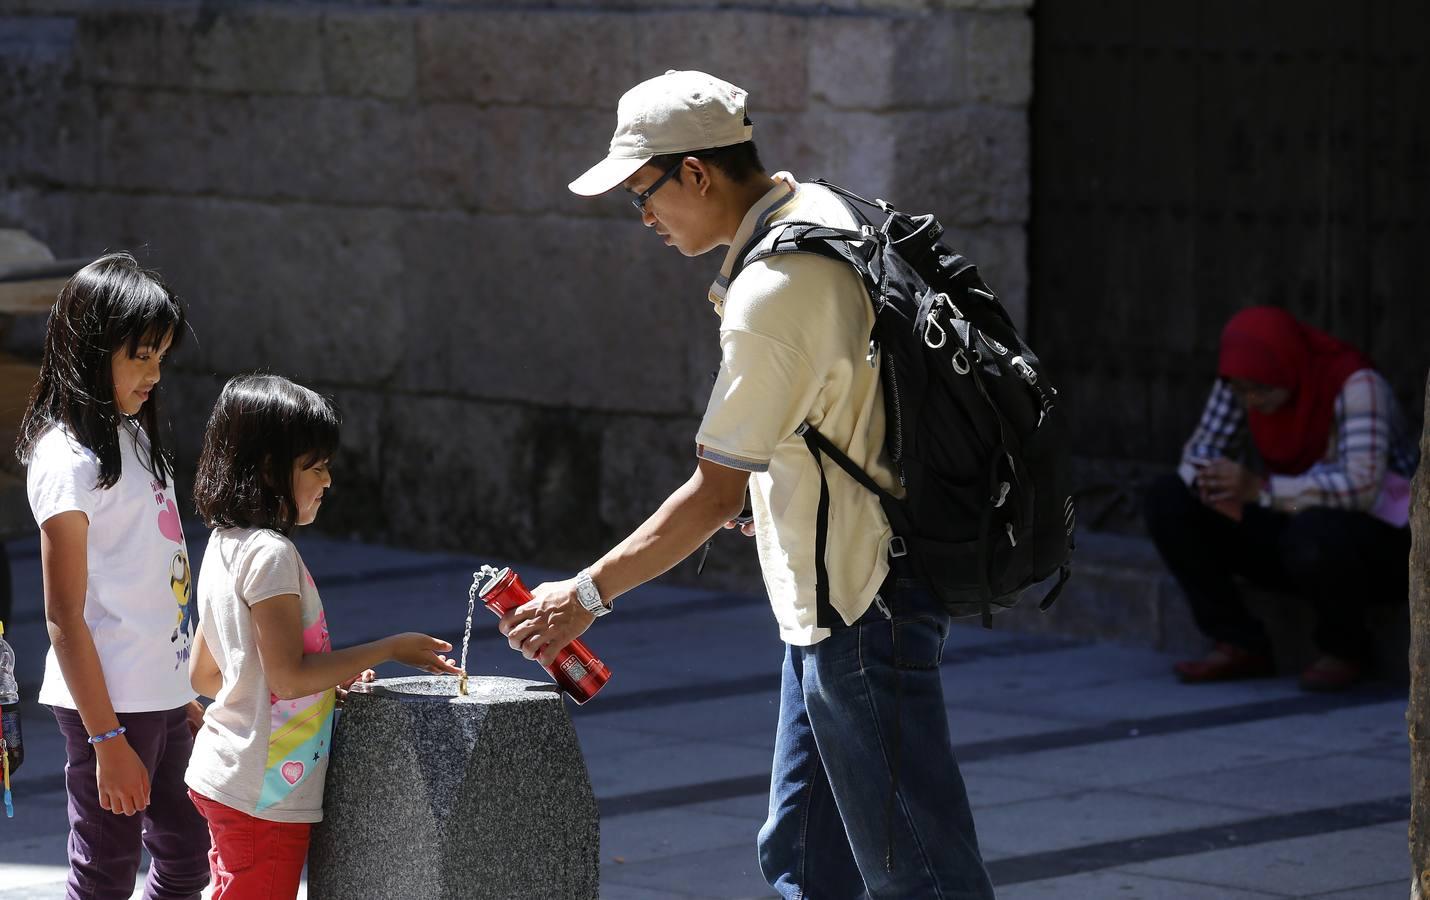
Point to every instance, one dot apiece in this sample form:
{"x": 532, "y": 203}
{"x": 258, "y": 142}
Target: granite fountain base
{"x": 432, "y": 795}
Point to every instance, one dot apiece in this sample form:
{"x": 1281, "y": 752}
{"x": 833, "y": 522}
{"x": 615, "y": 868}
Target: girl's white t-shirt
{"x": 138, "y": 598}
{"x": 256, "y": 753}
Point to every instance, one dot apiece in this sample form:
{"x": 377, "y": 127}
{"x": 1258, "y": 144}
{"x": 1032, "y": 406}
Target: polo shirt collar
{"x": 774, "y": 200}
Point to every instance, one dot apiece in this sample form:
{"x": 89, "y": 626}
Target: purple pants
{"x": 104, "y": 847}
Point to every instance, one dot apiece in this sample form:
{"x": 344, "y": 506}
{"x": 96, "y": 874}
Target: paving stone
{"x": 1134, "y": 761}
{"x": 671, "y": 832}
{"x": 1386, "y": 890}
{"x": 1376, "y": 726}
{"x": 1093, "y": 817}
{"x": 1124, "y": 886}
{"x": 1290, "y": 785}
{"x": 672, "y": 765}
{"x": 1327, "y": 862}
{"x": 721, "y": 872}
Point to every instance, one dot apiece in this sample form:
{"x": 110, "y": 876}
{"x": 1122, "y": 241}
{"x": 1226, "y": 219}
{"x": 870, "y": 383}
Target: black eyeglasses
{"x": 639, "y": 200}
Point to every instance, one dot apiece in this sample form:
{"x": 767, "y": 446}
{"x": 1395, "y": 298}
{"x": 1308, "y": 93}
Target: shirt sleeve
{"x": 1220, "y": 433}
{"x": 269, "y": 567}
{"x": 767, "y": 382}
{"x": 62, "y": 477}
{"x": 1352, "y": 479}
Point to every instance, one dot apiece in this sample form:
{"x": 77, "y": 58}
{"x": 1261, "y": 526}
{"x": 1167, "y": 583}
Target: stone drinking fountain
{"x": 434, "y": 795}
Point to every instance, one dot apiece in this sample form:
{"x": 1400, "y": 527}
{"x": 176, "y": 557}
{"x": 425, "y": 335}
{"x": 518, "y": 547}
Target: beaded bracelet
{"x": 101, "y": 738}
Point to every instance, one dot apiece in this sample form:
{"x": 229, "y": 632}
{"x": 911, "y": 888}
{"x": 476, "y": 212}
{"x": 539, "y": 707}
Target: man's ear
{"x": 699, "y": 172}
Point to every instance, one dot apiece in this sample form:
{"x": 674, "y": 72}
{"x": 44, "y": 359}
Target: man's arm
{"x": 713, "y": 496}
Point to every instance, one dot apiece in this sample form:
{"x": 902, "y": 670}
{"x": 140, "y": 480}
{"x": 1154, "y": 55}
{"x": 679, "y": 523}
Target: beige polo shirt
{"x": 794, "y": 342}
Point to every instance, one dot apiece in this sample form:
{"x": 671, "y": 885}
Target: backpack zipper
{"x": 898, "y": 419}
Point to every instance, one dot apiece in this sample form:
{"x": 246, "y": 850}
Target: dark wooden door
{"x": 1192, "y": 157}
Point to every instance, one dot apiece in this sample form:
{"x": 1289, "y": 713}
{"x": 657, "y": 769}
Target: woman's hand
{"x": 1222, "y": 480}
{"x": 123, "y": 780}
{"x": 422, "y": 651}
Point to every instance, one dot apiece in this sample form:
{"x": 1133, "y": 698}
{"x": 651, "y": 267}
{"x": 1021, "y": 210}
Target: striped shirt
{"x": 1370, "y": 454}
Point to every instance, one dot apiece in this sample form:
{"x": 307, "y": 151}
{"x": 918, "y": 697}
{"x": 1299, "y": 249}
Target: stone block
{"x": 457, "y": 474}
{"x": 314, "y": 293}
{"x": 370, "y": 54}
{"x": 970, "y": 165}
{"x": 581, "y": 313}
{"x": 538, "y": 57}
{"x": 999, "y": 53}
{"x": 642, "y": 461}
{"x": 121, "y": 47}
{"x": 887, "y": 63}
{"x": 852, "y": 148}
{"x": 270, "y": 49}
{"x": 430, "y": 795}
{"x": 325, "y": 149}
{"x": 507, "y": 159}
{"x": 764, "y": 53}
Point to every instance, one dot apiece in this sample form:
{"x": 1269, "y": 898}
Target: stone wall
{"x": 370, "y": 198}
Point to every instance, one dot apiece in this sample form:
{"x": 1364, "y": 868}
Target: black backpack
{"x": 973, "y": 431}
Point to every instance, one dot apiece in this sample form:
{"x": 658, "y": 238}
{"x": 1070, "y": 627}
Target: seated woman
{"x": 1325, "y": 518}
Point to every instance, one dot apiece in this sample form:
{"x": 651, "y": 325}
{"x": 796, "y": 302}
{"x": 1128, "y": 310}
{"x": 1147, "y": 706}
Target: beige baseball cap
{"x": 674, "y": 113}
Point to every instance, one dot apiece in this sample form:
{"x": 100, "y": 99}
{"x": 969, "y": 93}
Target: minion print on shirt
{"x": 186, "y": 618}
{"x": 301, "y": 731}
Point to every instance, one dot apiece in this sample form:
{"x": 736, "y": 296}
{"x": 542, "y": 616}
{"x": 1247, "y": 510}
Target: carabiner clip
{"x": 962, "y": 368}
{"x": 929, "y": 325}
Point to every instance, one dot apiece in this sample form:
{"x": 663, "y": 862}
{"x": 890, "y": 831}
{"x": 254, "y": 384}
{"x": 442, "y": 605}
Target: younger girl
{"x": 116, "y": 577}
{"x": 262, "y": 651}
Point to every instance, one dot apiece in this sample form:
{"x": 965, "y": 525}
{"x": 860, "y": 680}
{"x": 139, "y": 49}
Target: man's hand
{"x": 746, "y": 528}
{"x": 543, "y": 627}
{"x": 123, "y": 780}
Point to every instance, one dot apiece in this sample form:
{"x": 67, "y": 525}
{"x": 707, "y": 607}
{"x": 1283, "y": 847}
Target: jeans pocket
{"x": 918, "y": 641}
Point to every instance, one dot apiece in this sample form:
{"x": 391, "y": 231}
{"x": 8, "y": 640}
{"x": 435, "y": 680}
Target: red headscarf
{"x": 1267, "y": 345}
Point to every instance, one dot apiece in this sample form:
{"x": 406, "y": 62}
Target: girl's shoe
{"x": 1331, "y": 673}
{"x": 1225, "y": 662}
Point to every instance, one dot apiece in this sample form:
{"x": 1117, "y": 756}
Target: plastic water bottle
{"x": 10, "y": 706}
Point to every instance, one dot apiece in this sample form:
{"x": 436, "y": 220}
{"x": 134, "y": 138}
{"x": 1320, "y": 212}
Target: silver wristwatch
{"x": 588, "y": 595}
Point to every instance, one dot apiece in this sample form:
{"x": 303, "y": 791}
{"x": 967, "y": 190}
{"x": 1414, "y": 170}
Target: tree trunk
{"x": 1417, "y": 714}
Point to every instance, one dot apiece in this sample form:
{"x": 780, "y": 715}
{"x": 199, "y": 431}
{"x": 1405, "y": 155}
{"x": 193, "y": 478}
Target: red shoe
{"x": 1226, "y": 662}
{"x": 1331, "y": 673}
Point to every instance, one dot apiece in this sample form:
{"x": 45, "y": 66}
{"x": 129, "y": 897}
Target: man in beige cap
{"x": 865, "y": 793}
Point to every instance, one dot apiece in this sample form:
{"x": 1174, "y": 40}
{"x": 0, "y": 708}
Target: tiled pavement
{"x": 1092, "y": 774}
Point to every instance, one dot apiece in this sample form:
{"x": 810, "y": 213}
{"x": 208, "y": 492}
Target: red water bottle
{"x": 576, "y": 669}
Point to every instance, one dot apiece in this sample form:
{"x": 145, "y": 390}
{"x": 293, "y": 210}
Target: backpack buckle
{"x": 873, "y": 357}
{"x": 897, "y": 548}
{"x": 803, "y": 427}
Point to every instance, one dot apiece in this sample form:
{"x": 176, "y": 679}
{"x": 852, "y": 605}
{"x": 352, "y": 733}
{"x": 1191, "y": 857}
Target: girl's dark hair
{"x": 111, "y": 303}
{"x": 261, "y": 425}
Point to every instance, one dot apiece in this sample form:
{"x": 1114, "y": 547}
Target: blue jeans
{"x": 868, "y": 694}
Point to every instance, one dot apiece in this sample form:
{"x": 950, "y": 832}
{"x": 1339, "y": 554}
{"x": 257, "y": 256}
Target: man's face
{"x": 679, "y": 210}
